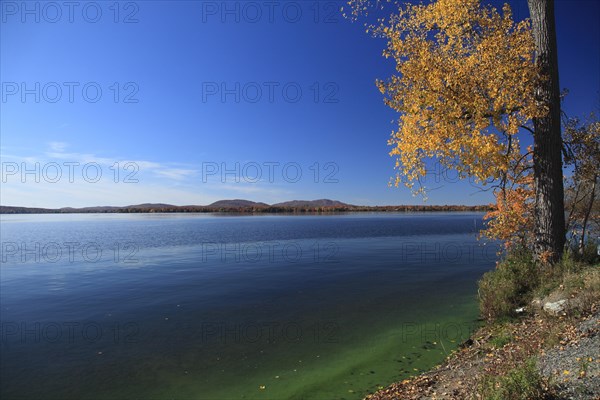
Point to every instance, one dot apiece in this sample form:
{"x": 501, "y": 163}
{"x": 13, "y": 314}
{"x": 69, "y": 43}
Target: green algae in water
{"x": 360, "y": 362}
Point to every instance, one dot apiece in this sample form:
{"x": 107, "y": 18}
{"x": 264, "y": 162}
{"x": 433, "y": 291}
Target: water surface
{"x": 184, "y": 306}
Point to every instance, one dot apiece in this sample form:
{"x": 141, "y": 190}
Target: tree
{"x": 468, "y": 80}
{"x": 582, "y": 153}
{"x": 549, "y": 224}
{"x": 511, "y": 219}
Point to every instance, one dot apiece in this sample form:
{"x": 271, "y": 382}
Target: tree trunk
{"x": 573, "y": 205}
{"x": 586, "y": 218}
{"x": 549, "y": 220}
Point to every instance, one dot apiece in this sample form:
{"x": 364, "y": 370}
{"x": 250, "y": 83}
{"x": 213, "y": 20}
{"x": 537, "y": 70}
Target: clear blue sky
{"x": 161, "y": 67}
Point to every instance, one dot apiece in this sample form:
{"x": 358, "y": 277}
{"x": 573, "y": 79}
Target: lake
{"x": 207, "y": 306}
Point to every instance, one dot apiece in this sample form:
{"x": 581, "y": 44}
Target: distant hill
{"x": 98, "y": 209}
{"x": 312, "y": 203}
{"x": 237, "y": 203}
{"x": 89, "y": 209}
{"x": 245, "y": 206}
{"x": 25, "y": 210}
{"x": 150, "y": 205}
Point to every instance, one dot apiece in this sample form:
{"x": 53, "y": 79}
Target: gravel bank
{"x": 576, "y": 367}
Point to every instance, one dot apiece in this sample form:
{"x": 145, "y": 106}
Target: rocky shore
{"x": 554, "y": 353}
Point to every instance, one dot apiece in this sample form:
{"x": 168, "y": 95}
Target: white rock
{"x": 556, "y": 307}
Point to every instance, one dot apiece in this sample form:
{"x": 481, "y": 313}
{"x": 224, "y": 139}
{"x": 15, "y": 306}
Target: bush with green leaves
{"x": 521, "y": 383}
{"x": 509, "y": 286}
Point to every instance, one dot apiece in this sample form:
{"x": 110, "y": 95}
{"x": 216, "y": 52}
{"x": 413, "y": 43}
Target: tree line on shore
{"x": 165, "y": 208}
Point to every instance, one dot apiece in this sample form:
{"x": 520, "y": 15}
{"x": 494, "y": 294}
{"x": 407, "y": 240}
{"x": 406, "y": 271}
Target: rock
{"x": 556, "y": 307}
{"x": 537, "y": 304}
{"x": 520, "y": 310}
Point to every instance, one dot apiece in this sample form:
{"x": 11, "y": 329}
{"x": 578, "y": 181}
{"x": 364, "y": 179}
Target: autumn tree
{"x": 582, "y": 155}
{"x": 511, "y": 220}
{"x": 469, "y": 80}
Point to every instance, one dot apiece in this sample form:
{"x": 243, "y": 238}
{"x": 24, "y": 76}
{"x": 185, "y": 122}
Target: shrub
{"x": 509, "y": 286}
{"x": 590, "y": 251}
{"x": 517, "y": 279}
{"x": 501, "y": 339}
{"x": 521, "y": 383}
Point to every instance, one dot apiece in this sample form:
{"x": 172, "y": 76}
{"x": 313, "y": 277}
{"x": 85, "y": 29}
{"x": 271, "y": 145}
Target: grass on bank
{"x": 500, "y": 360}
{"x": 515, "y": 283}
{"x": 520, "y": 383}
{"x": 518, "y": 280}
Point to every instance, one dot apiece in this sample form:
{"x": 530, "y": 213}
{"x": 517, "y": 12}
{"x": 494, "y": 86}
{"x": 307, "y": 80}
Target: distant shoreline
{"x": 151, "y": 209}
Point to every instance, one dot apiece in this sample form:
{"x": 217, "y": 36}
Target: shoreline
{"x": 10, "y": 210}
{"x": 558, "y": 352}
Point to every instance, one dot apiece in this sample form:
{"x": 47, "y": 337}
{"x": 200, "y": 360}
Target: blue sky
{"x": 195, "y": 101}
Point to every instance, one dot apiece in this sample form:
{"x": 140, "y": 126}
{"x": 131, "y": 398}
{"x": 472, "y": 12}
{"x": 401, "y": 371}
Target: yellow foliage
{"x": 511, "y": 220}
{"x": 463, "y": 88}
